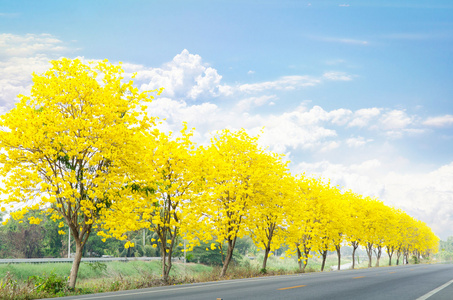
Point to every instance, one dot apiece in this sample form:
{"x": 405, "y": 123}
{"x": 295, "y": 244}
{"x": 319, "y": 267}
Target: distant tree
{"x": 23, "y": 240}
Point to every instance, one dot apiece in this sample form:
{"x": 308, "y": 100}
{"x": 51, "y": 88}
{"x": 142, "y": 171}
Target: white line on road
{"x": 426, "y": 296}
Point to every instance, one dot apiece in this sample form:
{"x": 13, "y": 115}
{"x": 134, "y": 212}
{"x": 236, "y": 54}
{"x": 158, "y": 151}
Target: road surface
{"x": 408, "y": 282}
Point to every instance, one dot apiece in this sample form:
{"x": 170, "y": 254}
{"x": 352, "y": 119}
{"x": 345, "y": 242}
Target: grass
{"x": 16, "y": 280}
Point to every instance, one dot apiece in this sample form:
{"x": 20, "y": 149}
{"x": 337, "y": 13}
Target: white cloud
{"x": 21, "y": 55}
{"x": 337, "y": 76}
{"x": 357, "y": 142}
{"x": 366, "y": 166}
{"x": 175, "y": 112}
{"x": 186, "y": 76}
{"x": 29, "y": 45}
{"x": 340, "y": 40}
{"x": 329, "y": 146}
{"x": 284, "y": 83}
{"x": 340, "y": 116}
{"x": 299, "y": 129}
{"x": 441, "y": 121}
{"x": 395, "y": 120}
{"x": 206, "y": 83}
{"x": 362, "y": 117}
{"x": 248, "y": 103}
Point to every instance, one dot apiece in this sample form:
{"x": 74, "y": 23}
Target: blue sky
{"x": 356, "y": 91}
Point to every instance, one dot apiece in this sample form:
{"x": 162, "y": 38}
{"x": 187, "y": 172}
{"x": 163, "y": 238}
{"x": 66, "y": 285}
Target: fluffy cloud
{"x": 362, "y": 117}
{"x": 395, "y": 120}
{"x": 340, "y": 116}
{"x": 247, "y": 103}
{"x": 175, "y": 112}
{"x": 337, "y": 76}
{"x": 441, "y": 121}
{"x": 299, "y": 129}
{"x": 21, "y": 55}
{"x": 284, "y": 83}
{"x": 288, "y": 83}
{"x": 357, "y": 142}
{"x": 30, "y": 45}
{"x": 185, "y": 77}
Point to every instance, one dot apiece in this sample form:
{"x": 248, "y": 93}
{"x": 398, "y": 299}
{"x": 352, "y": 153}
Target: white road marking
{"x": 426, "y": 296}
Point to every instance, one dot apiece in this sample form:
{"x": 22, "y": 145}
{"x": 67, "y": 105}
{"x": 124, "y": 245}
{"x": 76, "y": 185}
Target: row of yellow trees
{"x": 82, "y": 148}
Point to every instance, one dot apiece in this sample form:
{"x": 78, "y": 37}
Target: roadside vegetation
{"x": 47, "y": 280}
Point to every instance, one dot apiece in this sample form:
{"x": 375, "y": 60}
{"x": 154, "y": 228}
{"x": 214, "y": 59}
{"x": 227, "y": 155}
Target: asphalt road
{"x": 408, "y": 282}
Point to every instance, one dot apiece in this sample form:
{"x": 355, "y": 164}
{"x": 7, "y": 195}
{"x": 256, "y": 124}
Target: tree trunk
{"x": 305, "y": 264}
{"x": 378, "y": 252}
{"x": 338, "y": 248}
{"x": 302, "y": 261}
{"x": 267, "y": 246}
{"x": 369, "y": 252}
{"x": 405, "y": 257}
{"x": 166, "y": 262}
{"x": 324, "y": 256}
{"x": 75, "y": 263}
{"x": 266, "y": 254}
{"x": 354, "y": 248}
{"x": 299, "y": 259}
{"x": 166, "y": 250}
{"x": 306, "y": 253}
{"x": 228, "y": 257}
{"x": 169, "y": 265}
{"x": 398, "y": 255}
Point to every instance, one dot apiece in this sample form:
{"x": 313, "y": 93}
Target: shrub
{"x": 52, "y": 283}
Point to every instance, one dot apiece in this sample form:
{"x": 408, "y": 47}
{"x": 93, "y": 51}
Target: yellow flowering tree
{"x": 71, "y": 147}
{"x": 275, "y": 191}
{"x": 355, "y": 225}
{"x": 234, "y": 168}
{"x": 370, "y": 222}
{"x": 304, "y": 224}
{"x": 174, "y": 165}
{"x": 390, "y": 232}
{"x": 338, "y": 219}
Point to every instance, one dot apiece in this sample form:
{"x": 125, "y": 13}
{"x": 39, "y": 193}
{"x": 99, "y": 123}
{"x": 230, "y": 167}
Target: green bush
{"x": 52, "y": 283}
{"x": 150, "y": 251}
